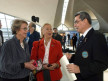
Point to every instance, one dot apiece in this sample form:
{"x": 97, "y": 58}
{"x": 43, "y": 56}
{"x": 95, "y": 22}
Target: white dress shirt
{"x": 46, "y": 56}
{"x": 85, "y": 33}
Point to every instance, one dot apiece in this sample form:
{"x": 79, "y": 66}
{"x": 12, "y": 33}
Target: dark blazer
{"x": 64, "y": 39}
{"x": 57, "y": 37}
{"x": 35, "y": 36}
{"x": 74, "y": 40}
{"x": 55, "y": 53}
{"x": 92, "y": 57}
{"x": 11, "y": 57}
{"x": 1, "y": 36}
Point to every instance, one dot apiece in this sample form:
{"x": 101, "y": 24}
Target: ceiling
{"x": 98, "y": 9}
{"x": 50, "y": 11}
{"x": 44, "y": 9}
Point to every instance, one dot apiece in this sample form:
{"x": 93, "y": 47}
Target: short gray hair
{"x": 16, "y": 24}
{"x": 84, "y": 15}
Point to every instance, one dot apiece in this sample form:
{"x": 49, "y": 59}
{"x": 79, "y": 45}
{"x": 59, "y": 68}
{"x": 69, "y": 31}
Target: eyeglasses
{"x": 24, "y": 29}
{"x": 76, "y": 22}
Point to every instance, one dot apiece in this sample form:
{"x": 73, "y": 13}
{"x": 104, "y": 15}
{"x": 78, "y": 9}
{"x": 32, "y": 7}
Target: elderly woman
{"x": 50, "y": 51}
{"x": 15, "y": 64}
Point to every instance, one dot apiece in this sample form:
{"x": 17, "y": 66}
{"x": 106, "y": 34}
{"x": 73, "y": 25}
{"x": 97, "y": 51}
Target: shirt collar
{"x": 18, "y": 39}
{"x": 85, "y": 33}
{"x": 48, "y": 42}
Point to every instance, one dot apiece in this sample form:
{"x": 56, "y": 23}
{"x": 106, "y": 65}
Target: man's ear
{"x": 85, "y": 20}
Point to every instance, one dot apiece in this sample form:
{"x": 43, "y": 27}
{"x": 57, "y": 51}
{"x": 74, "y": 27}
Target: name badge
{"x": 85, "y": 54}
{"x": 52, "y": 45}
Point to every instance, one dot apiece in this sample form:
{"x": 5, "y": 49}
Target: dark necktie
{"x": 80, "y": 40}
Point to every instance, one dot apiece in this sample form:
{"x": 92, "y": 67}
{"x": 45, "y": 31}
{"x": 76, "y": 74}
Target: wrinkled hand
{"x": 72, "y": 68}
{"x": 29, "y": 65}
{"x": 45, "y": 66}
{"x": 52, "y": 67}
{"x": 68, "y": 55}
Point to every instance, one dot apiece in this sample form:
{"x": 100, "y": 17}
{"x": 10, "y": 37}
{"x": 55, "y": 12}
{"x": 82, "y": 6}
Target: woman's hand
{"x": 51, "y": 67}
{"x": 72, "y": 68}
{"x": 45, "y": 66}
{"x": 29, "y": 65}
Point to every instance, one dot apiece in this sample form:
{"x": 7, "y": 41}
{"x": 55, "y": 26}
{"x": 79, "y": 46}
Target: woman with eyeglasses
{"x": 15, "y": 64}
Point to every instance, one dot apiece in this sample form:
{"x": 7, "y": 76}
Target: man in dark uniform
{"x": 91, "y": 57}
{"x": 63, "y": 41}
{"x": 34, "y": 35}
{"x": 1, "y": 36}
{"x": 68, "y": 35}
{"x": 74, "y": 40}
{"x": 56, "y": 35}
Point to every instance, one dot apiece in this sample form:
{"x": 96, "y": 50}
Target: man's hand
{"x": 72, "y": 68}
{"x": 51, "y": 67}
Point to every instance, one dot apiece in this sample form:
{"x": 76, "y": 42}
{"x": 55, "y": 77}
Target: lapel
{"x": 86, "y": 38}
{"x": 41, "y": 45}
{"x": 52, "y": 47}
{"x": 41, "y": 49}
